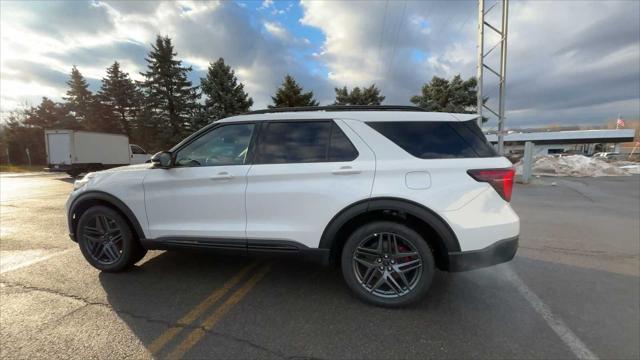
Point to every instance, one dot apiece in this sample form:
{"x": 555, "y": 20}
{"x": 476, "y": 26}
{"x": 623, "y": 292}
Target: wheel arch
{"x": 430, "y": 225}
{"x": 95, "y": 198}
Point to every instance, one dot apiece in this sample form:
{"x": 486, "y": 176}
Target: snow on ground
{"x": 580, "y": 166}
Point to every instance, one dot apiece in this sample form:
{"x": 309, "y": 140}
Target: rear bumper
{"x": 499, "y": 252}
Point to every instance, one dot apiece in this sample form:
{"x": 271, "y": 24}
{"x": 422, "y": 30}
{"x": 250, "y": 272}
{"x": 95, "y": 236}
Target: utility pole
{"x": 501, "y": 74}
{"x": 479, "y": 66}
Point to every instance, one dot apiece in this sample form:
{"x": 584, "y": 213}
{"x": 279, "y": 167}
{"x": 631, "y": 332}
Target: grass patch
{"x": 21, "y": 168}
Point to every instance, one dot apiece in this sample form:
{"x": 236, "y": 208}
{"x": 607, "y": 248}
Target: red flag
{"x": 620, "y": 122}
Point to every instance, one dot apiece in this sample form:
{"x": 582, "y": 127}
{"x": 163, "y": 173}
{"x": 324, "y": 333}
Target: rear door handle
{"x": 345, "y": 170}
{"x": 222, "y": 176}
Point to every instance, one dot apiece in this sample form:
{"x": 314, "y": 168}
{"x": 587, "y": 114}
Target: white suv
{"x": 389, "y": 193}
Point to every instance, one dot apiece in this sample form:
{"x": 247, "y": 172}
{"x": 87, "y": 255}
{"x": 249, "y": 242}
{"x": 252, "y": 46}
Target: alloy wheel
{"x": 104, "y": 239}
{"x": 387, "y": 265}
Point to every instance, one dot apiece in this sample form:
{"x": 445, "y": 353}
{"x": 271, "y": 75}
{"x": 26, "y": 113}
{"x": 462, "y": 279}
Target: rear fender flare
{"x": 446, "y": 234}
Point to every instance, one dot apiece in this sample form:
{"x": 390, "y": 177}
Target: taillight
{"x": 500, "y": 179}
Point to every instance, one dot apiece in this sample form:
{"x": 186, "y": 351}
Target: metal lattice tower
{"x": 501, "y": 74}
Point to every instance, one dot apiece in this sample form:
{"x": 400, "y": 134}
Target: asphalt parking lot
{"x": 573, "y": 291}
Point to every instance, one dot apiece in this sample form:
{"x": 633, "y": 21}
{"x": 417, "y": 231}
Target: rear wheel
{"x": 73, "y": 173}
{"x": 106, "y": 240}
{"x": 387, "y": 264}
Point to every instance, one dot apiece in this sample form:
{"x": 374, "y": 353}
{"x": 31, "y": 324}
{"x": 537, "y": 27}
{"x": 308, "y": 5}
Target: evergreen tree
{"x": 18, "y": 137}
{"x": 366, "y": 96}
{"x": 79, "y": 98}
{"x": 49, "y": 115}
{"x": 224, "y": 95}
{"x": 290, "y": 95}
{"x": 120, "y": 95}
{"x": 170, "y": 99}
{"x": 103, "y": 118}
{"x": 442, "y": 95}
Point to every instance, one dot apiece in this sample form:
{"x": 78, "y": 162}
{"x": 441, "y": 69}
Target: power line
{"x": 384, "y": 24}
{"x": 395, "y": 40}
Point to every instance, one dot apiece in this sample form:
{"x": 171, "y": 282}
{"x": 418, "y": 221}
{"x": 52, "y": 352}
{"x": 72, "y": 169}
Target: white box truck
{"x": 76, "y": 152}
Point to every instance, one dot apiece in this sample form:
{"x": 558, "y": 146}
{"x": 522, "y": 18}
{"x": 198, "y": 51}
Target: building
{"x": 584, "y": 142}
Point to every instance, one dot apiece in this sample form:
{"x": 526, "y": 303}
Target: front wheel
{"x": 106, "y": 240}
{"x": 387, "y": 264}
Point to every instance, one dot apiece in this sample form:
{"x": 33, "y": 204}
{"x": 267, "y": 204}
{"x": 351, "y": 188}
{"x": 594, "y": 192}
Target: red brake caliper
{"x": 404, "y": 248}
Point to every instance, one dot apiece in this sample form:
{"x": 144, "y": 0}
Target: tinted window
{"x": 224, "y": 145}
{"x": 435, "y": 140}
{"x": 340, "y": 148}
{"x": 293, "y": 142}
{"x": 303, "y": 142}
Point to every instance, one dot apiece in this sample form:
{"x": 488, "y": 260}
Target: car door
{"x": 138, "y": 155}
{"x": 202, "y": 196}
{"x": 304, "y": 173}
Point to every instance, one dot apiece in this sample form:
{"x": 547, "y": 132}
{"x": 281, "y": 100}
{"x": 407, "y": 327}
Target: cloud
{"x": 578, "y": 70}
{"x": 276, "y": 30}
{"x": 201, "y": 33}
{"x": 557, "y": 70}
{"x": 266, "y": 4}
{"x": 58, "y": 18}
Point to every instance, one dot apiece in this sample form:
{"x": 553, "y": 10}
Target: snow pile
{"x": 629, "y": 166}
{"x": 578, "y": 166}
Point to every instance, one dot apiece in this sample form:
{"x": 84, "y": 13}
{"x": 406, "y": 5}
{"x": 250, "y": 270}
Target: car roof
{"x": 354, "y": 115}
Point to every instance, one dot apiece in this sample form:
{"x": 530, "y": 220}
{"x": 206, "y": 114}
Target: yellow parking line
{"x": 196, "y": 335}
{"x": 192, "y": 315}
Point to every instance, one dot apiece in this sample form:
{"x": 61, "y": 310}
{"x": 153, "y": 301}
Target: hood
{"x": 128, "y": 168}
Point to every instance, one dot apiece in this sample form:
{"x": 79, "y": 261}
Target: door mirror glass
{"x": 161, "y": 159}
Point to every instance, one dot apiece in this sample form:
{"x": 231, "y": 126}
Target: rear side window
{"x": 303, "y": 142}
{"x": 437, "y": 139}
{"x": 340, "y": 148}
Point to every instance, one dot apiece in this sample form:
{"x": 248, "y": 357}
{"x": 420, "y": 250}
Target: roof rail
{"x": 338, "y": 108}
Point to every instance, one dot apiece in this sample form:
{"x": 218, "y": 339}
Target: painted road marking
{"x": 578, "y": 348}
{"x": 198, "y": 310}
{"x": 196, "y": 335}
{"x": 16, "y": 259}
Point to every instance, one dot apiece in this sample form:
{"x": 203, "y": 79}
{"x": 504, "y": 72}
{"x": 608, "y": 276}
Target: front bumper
{"x": 499, "y": 252}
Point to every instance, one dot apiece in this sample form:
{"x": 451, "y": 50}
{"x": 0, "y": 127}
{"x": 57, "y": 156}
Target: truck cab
{"x": 138, "y": 155}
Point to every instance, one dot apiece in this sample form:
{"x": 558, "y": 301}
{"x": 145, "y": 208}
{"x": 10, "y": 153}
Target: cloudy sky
{"x": 572, "y": 62}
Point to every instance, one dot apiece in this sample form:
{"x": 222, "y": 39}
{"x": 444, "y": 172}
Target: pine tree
{"x": 170, "y": 99}
{"x": 366, "y": 96}
{"x": 79, "y": 98}
{"x": 442, "y": 95}
{"x": 120, "y": 95}
{"x": 224, "y": 95}
{"x": 50, "y": 115}
{"x": 290, "y": 95}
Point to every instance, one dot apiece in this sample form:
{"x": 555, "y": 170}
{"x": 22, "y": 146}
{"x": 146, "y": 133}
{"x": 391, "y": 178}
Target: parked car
{"x": 387, "y": 193}
{"x": 77, "y": 152}
{"x": 606, "y": 155}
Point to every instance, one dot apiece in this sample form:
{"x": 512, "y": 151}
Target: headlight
{"x": 78, "y": 184}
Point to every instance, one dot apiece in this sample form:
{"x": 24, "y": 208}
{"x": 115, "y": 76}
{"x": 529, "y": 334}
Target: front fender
{"x": 95, "y": 197}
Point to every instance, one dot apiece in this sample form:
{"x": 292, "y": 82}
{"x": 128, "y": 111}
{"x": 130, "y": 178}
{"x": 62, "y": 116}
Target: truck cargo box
{"x": 79, "y": 151}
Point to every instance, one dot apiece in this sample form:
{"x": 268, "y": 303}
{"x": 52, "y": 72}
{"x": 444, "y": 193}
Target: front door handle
{"x": 222, "y": 176}
{"x": 345, "y": 170}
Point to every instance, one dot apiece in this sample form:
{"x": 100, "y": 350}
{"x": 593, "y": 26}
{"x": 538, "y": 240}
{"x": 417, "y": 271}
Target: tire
{"x": 106, "y": 240}
{"x": 139, "y": 254}
{"x": 400, "y": 278}
{"x": 73, "y": 173}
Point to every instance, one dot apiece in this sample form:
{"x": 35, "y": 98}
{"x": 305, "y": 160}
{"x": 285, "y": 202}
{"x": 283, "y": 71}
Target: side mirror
{"x": 162, "y": 160}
